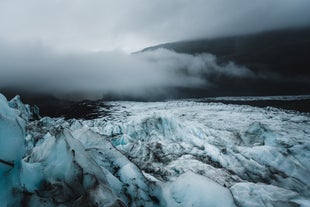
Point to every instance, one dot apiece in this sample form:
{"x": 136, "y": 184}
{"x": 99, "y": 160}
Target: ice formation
{"x": 12, "y": 129}
{"x": 177, "y": 153}
{"x": 57, "y": 171}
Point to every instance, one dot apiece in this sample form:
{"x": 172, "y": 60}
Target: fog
{"x": 81, "y": 48}
{"x": 39, "y": 69}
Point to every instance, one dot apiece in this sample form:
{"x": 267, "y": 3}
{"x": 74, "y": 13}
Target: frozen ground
{"x": 178, "y": 153}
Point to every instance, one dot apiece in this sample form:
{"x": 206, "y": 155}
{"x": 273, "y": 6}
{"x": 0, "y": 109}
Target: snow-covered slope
{"x": 178, "y": 153}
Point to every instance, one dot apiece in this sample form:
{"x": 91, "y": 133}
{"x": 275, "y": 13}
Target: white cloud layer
{"x": 39, "y": 69}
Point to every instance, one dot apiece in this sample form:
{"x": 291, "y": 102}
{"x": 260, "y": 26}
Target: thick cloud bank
{"x": 93, "y": 75}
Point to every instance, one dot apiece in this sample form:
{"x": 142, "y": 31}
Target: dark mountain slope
{"x": 283, "y": 51}
{"x": 281, "y": 60}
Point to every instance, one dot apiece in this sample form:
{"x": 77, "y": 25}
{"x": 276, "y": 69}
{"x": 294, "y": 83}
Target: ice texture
{"x": 57, "y": 171}
{"x": 12, "y": 132}
{"x": 175, "y": 153}
{"x": 65, "y": 174}
{"x": 229, "y": 144}
{"x": 25, "y": 111}
{"x": 256, "y": 195}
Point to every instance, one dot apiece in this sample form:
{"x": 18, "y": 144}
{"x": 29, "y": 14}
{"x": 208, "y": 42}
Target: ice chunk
{"x": 136, "y": 189}
{"x": 24, "y": 110}
{"x": 191, "y": 189}
{"x": 65, "y": 173}
{"x": 11, "y": 133}
{"x": 258, "y": 134}
{"x": 12, "y": 149}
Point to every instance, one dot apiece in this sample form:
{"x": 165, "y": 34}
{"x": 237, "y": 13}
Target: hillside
{"x": 282, "y": 57}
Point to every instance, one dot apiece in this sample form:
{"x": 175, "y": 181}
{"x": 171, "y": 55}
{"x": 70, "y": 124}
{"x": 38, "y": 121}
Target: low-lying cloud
{"x": 38, "y": 69}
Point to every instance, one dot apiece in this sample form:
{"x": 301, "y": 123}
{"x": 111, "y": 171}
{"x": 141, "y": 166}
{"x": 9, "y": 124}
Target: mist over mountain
{"x": 80, "y": 50}
{"x": 279, "y": 60}
{"x": 242, "y": 54}
{"x": 268, "y": 63}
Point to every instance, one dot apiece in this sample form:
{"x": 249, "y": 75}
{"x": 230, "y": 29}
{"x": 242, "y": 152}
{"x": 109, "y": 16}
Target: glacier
{"x": 173, "y": 153}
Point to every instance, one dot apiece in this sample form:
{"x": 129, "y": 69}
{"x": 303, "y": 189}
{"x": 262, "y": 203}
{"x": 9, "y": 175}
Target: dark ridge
{"x": 86, "y": 109}
{"x": 283, "y": 51}
{"x": 280, "y": 60}
{"x": 11, "y": 164}
{"x": 55, "y": 107}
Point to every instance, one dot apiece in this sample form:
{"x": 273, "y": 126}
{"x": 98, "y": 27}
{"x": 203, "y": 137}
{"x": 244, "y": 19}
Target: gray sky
{"x": 130, "y": 25}
{"x": 81, "y": 46}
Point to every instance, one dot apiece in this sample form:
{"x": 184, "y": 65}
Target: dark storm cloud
{"x": 35, "y": 68}
{"x": 133, "y": 24}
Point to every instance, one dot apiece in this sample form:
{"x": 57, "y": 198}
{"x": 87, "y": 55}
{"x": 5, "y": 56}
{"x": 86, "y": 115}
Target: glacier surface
{"x": 175, "y": 153}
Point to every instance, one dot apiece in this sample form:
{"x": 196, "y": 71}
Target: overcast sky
{"x": 84, "y": 46}
{"x": 130, "y": 25}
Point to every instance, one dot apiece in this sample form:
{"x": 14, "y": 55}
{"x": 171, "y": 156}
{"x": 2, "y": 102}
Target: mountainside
{"x": 283, "y": 51}
{"x": 280, "y": 60}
